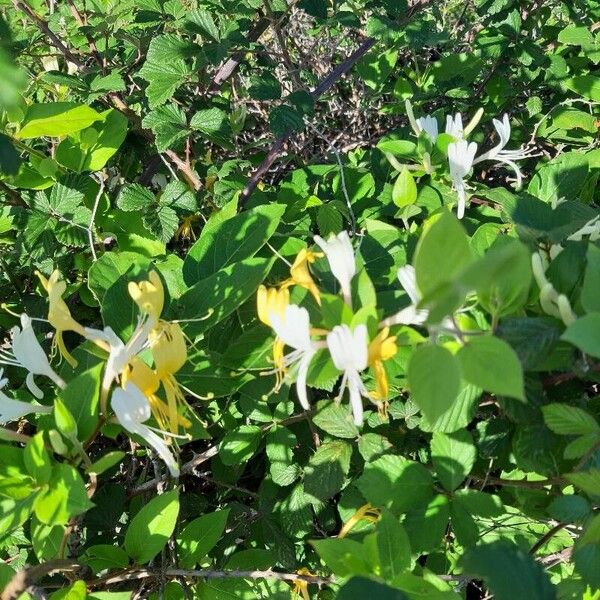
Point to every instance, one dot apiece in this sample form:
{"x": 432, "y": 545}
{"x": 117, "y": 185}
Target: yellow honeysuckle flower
{"x": 382, "y": 348}
{"x": 149, "y": 295}
{"x": 146, "y": 379}
{"x": 167, "y": 344}
{"x": 301, "y": 586}
{"x": 271, "y": 300}
{"x": 367, "y": 512}
{"x": 168, "y": 347}
{"x": 59, "y": 315}
{"x": 300, "y": 274}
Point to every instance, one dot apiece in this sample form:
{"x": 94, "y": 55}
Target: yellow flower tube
{"x": 59, "y": 315}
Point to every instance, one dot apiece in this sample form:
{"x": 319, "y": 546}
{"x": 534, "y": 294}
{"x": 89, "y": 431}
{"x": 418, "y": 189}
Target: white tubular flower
{"x": 552, "y": 303}
{"x": 411, "y": 315}
{"x": 13, "y": 410}
{"x": 461, "y": 157}
{"x": 340, "y": 254}
{"x": 132, "y": 409}
{"x": 454, "y": 126}
{"x": 293, "y": 329}
{"x": 429, "y": 125}
{"x": 591, "y": 228}
{"x": 349, "y": 352}
{"x": 499, "y": 154}
{"x": 120, "y": 354}
{"x": 29, "y": 354}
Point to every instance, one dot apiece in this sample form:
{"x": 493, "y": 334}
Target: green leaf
{"x": 199, "y": 537}
{"x": 168, "y": 124}
{"x": 359, "y": 588}
{"x": 442, "y": 252}
{"x": 585, "y": 334}
{"x": 569, "y": 509}
{"x": 238, "y": 445}
{"x": 220, "y": 294}
{"x": 427, "y": 524}
{"x": 453, "y": 457}
{"x": 213, "y": 123}
{"x": 230, "y": 241}
{"x": 37, "y": 460}
{"x": 569, "y": 420}
{"x": 561, "y": 178}
{"x": 164, "y": 69}
{"x": 327, "y": 468}
{"x": 54, "y": 119}
{"x": 66, "y": 497}
{"x": 404, "y": 192}
{"x": 76, "y": 591}
{"x": 81, "y": 397}
{"x": 491, "y": 364}
{"x": 280, "y": 451}
{"x": 264, "y": 87}
{"x": 162, "y": 222}
{"x": 135, "y": 197}
{"x": 587, "y": 86}
{"x": 588, "y": 481}
{"x": 284, "y": 119}
{"x": 105, "y": 556}
{"x": 151, "y": 528}
{"x": 501, "y": 565}
{"x": 343, "y": 556}
{"x": 434, "y": 380}
{"x": 393, "y": 546}
{"x": 178, "y": 195}
{"x": 335, "y": 420}
{"x": 65, "y": 422}
{"x": 395, "y": 483}
{"x": 204, "y": 21}
{"x": 590, "y": 299}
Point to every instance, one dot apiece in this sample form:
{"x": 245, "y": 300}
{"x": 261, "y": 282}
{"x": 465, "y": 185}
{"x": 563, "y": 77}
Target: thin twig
{"x": 546, "y": 537}
{"x": 141, "y": 573}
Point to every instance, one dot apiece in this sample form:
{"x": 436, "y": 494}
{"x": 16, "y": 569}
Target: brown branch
{"x": 522, "y": 483}
{"x": 26, "y": 577}
{"x": 547, "y": 537}
{"x": 227, "y": 69}
{"x": 91, "y": 43}
{"x": 142, "y": 573}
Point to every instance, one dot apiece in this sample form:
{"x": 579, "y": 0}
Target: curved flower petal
{"x": 131, "y": 408}
{"x": 340, "y": 254}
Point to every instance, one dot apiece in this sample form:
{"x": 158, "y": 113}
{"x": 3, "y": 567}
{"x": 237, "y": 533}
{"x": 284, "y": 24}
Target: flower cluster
{"x": 351, "y": 348}
{"x": 137, "y": 397}
{"x": 462, "y": 154}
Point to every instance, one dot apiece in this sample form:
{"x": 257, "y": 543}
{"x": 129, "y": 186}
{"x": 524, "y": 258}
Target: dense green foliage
{"x": 295, "y": 327}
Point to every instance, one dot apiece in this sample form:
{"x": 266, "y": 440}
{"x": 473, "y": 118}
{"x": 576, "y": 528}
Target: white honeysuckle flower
{"x": 454, "y": 126}
{"x": 132, "y": 409}
{"x": 429, "y": 125}
{"x": 27, "y": 353}
{"x": 120, "y": 354}
{"x": 293, "y": 329}
{"x": 499, "y": 154}
{"x": 340, "y": 254}
{"x": 13, "y": 410}
{"x": 349, "y": 352}
{"x": 591, "y": 229}
{"x": 461, "y": 156}
{"x": 411, "y": 315}
{"x": 552, "y": 303}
